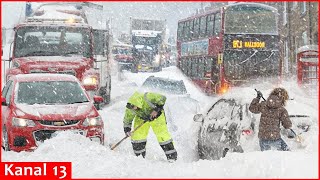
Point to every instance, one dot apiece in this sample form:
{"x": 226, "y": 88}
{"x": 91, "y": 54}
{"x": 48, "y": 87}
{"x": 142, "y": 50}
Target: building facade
{"x": 298, "y": 26}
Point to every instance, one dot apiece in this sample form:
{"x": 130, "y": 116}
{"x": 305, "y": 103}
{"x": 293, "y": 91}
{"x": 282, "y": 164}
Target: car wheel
{"x": 225, "y": 151}
{"x": 5, "y": 139}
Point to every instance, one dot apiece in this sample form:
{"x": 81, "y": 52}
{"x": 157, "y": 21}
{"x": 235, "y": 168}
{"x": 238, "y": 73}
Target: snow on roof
{"x": 308, "y": 48}
{"x": 57, "y": 12}
{"x": 253, "y": 4}
{"x": 45, "y": 77}
{"x": 119, "y": 43}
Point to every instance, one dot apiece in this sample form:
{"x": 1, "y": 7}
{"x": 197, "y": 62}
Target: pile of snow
{"x": 92, "y": 160}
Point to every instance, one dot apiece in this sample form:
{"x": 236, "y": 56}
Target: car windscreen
{"x": 52, "y": 41}
{"x": 173, "y": 87}
{"x": 50, "y": 92}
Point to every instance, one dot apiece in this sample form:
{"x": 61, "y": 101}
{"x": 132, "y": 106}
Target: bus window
{"x": 180, "y": 31}
{"x": 250, "y": 19}
{"x": 210, "y": 21}
{"x": 184, "y": 31}
{"x": 208, "y": 64}
{"x": 194, "y": 68}
{"x": 191, "y": 29}
{"x": 189, "y": 65}
{"x": 196, "y": 28}
{"x": 217, "y": 24}
{"x": 187, "y": 30}
{"x": 201, "y": 70}
{"x": 203, "y": 25}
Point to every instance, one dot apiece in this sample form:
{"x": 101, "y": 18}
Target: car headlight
{"x": 95, "y": 121}
{"x": 15, "y": 64}
{"x": 90, "y": 81}
{"x": 19, "y": 122}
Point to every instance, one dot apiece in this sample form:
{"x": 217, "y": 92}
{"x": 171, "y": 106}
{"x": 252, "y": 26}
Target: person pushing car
{"x": 147, "y": 109}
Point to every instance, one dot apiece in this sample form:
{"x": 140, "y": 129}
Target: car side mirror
{"x": 98, "y": 100}
{"x": 198, "y": 118}
{"x": 3, "y": 101}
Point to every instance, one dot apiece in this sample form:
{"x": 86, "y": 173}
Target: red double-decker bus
{"x": 229, "y": 46}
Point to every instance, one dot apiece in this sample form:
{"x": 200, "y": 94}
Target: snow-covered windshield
{"x": 250, "y": 20}
{"x": 140, "y": 40}
{"x": 52, "y": 41}
{"x": 169, "y": 86}
{"x": 50, "y": 92}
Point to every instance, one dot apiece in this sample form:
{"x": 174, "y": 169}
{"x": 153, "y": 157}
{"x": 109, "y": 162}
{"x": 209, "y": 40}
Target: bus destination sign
{"x": 238, "y": 44}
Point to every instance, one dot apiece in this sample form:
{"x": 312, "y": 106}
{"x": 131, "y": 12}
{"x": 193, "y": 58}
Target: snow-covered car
{"x": 35, "y": 107}
{"x": 229, "y": 126}
{"x": 179, "y": 103}
{"x": 174, "y": 89}
{"x": 165, "y": 85}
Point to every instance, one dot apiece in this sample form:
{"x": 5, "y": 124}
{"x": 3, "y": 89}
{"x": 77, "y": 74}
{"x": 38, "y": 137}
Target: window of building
{"x": 286, "y": 57}
{"x": 303, "y": 7}
{"x": 285, "y": 5}
{"x": 294, "y": 5}
{"x": 304, "y": 38}
{"x": 315, "y": 38}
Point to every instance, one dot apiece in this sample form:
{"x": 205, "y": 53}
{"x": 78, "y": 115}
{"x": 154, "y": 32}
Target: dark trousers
{"x": 279, "y": 144}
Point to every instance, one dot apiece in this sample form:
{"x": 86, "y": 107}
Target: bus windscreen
{"x": 244, "y": 19}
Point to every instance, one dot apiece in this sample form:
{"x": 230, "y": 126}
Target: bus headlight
{"x": 19, "y": 122}
{"x": 95, "y": 121}
{"x": 90, "y": 81}
{"x": 157, "y": 59}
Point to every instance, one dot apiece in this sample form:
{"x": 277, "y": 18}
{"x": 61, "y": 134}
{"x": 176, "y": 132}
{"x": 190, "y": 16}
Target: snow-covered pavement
{"x": 91, "y": 160}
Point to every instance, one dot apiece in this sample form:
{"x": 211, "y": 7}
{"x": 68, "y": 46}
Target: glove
{"x": 158, "y": 109}
{"x": 127, "y": 131}
{"x": 291, "y": 134}
{"x": 156, "y": 113}
{"x": 259, "y": 94}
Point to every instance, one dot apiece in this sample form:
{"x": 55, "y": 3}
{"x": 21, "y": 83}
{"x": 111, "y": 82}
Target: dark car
{"x": 229, "y": 126}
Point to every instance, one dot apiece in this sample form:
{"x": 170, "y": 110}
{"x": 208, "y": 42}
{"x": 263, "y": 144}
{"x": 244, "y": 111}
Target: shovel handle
{"x": 117, "y": 144}
{"x": 261, "y": 96}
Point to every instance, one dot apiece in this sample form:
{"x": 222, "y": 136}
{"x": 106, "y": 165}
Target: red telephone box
{"x": 307, "y": 68}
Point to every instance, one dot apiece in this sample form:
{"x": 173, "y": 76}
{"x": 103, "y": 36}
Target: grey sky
{"x": 13, "y": 12}
{"x": 171, "y": 11}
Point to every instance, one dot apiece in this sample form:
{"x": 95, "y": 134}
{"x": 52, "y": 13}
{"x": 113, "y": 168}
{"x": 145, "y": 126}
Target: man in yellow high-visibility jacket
{"x": 148, "y": 107}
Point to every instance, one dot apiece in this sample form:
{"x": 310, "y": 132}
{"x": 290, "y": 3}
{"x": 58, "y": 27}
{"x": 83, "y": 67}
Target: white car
{"x": 179, "y": 104}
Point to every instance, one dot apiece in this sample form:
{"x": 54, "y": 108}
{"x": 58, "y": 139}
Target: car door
{"x": 7, "y": 92}
{"x": 219, "y": 130}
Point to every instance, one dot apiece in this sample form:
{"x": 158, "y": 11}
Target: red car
{"x": 36, "y": 106}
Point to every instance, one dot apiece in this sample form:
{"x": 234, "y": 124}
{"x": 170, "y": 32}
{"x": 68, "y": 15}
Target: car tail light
{"x": 247, "y": 132}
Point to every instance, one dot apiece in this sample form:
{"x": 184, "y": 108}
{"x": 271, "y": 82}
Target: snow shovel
{"x": 117, "y": 144}
{"x": 261, "y": 96}
{"x": 298, "y": 138}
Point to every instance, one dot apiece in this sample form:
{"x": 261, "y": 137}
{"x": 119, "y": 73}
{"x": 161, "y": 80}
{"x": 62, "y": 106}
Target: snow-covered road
{"x": 91, "y": 160}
